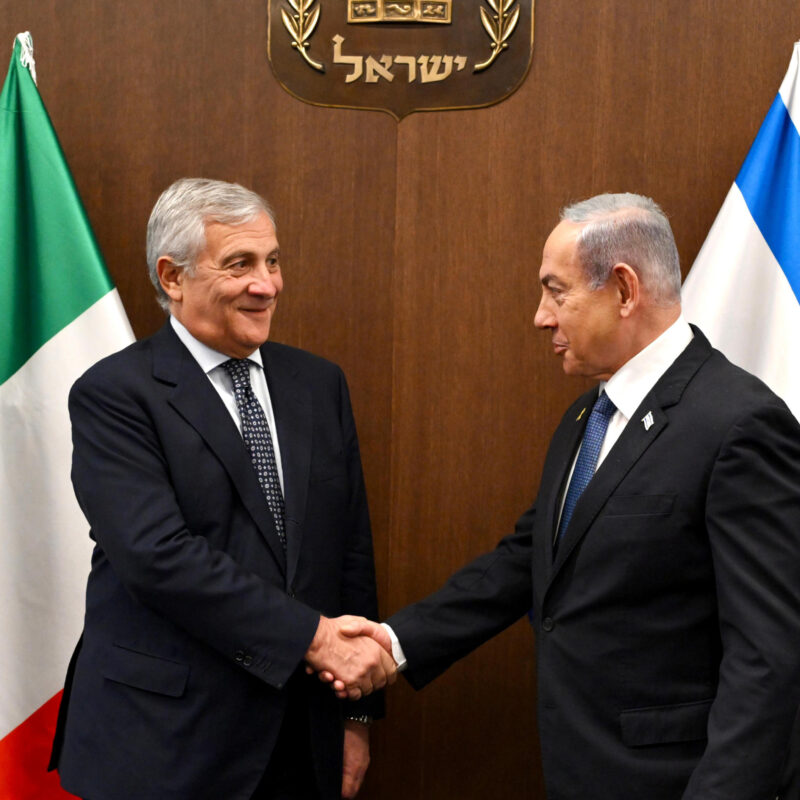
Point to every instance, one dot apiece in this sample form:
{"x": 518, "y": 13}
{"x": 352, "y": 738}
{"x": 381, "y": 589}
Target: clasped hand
{"x": 353, "y": 654}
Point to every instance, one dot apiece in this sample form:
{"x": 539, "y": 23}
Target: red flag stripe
{"x": 24, "y": 754}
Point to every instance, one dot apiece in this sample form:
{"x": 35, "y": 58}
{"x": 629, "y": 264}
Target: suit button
{"x": 247, "y": 661}
{"x": 238, "y": 656}
{"x": 548, "y": 624}
{"x": 292, "y": 594}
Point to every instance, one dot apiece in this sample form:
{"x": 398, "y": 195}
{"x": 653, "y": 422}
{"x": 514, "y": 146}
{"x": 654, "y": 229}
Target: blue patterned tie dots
{"x": 258, "y": 440}
{"x": 593, "y": 436}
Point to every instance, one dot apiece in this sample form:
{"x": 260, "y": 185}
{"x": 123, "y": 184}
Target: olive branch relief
{"x": 499, "y": 25}
{"x": 300, "y": 26}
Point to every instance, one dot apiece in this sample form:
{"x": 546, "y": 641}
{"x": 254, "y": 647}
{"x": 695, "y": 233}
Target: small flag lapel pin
{"x": 648, "y": 421}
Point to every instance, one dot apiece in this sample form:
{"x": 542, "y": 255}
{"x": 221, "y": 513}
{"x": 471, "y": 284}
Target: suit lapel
{"x": 560, "y": 455}
{"x": 634, "y": 441}
{"x": 291, "y": 402}
{"x": 196, "y": 400}
{"x": 627, "y": 450}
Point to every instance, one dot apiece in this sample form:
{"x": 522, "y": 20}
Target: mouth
{"x": 256, "y": 310}
{"x": 559, "y": 347}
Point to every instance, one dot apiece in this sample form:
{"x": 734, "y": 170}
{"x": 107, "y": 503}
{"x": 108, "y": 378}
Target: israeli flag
{"x": 743, "y": 291}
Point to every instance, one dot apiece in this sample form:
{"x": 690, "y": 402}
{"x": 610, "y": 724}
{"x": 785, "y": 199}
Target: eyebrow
{"x": 550, "y": 281}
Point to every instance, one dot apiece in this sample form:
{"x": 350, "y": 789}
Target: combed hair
{"x": 632, "y": 229}
{"x": 177, "y": 226}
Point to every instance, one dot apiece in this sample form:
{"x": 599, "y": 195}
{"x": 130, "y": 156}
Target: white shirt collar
{"x": 629, "y": 385}
{"x": 205, "y": 356}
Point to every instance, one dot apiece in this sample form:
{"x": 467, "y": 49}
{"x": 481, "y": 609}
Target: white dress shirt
{"x": 211, "y": 362}
{"x": 629, "y": 385}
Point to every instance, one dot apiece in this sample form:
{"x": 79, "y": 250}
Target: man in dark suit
{"x": 661, "y": 558}
{"x": 221, "y": 477}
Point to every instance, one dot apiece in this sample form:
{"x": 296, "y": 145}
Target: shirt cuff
{"x": 397, "y": 651}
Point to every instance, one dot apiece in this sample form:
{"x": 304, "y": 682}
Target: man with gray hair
{"x": 660, "y": 560}
{"x": 221, "y": 477}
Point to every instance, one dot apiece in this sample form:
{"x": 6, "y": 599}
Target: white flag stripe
{"x": 45, "y": 537}
{"x": 790, "y": 88}
{"x": 751, "y": 314}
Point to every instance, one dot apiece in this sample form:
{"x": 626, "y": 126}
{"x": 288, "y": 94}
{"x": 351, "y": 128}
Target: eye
{"x": 556, "y": 293}
{"x": 273, "y": 265}
{"x": 551, "y": 293}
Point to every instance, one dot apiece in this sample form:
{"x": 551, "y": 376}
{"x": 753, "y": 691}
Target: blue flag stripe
{"x": 770, "y": 182}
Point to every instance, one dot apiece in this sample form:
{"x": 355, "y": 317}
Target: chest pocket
{"x": 640, "y": 505}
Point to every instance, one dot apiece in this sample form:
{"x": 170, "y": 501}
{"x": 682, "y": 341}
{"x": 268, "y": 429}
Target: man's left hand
{"x": 356, "y": 757}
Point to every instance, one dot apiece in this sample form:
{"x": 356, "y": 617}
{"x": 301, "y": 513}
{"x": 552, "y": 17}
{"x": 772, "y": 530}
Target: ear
{"x": 170, "y": 276}
{"x": 626, "y": 283}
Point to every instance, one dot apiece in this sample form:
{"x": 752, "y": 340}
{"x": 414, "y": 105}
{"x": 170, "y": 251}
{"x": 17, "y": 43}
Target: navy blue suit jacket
{"x": 197, "y": 621}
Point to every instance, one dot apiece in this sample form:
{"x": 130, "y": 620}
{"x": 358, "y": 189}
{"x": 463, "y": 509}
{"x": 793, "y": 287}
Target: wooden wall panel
{"x": 411, "y": 256}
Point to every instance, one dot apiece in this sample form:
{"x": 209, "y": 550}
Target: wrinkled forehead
{"x": 255, "y": 234}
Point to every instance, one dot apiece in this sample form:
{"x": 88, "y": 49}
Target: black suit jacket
{"x": 197, "y": 621}
{"x": 668, "y": 620}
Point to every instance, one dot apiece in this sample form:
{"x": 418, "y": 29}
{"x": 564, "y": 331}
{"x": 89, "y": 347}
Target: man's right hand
{"x": 356, "y": 664}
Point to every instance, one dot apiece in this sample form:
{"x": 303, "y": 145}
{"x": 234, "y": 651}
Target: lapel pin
{"x": 648, "y": 421}
{"x": 578, "y": 418}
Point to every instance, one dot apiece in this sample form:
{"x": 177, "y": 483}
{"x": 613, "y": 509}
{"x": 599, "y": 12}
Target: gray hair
{"x": 632, "y": 229}
{"x": 177, "y": 226}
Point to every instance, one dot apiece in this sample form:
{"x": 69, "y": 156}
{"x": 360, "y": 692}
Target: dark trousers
{"x": 290, "y": 773}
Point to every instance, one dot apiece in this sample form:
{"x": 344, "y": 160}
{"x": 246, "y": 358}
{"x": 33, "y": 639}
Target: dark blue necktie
{"x": 258, "y": 440}
{"x": 593, "y": 436}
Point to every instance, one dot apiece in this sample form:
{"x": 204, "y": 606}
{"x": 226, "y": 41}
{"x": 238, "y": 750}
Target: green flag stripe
{"x": 51, "y": 269}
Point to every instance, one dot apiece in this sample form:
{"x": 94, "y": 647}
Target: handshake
{"x": 352, "y": 654}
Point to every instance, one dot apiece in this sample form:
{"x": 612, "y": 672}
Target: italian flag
{"x": 59, "y": 313}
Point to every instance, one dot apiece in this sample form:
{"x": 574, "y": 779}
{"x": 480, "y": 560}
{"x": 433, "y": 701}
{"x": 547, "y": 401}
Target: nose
{"x": 544, "y": 317}
{"x": 265, "y": 282}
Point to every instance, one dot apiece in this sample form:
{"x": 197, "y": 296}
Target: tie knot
{"x": 239, "y": 370}
{"x": 604, "y": 406}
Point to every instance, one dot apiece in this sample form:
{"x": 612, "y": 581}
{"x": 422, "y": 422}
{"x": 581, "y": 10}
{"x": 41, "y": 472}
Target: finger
{"x": 379, "y": 681}
{"x": 325, "y": 676}
{"x": 347, "y": 787}
{"x": 374, "y": 630}
{"x": 389, "y": 667}
{"x": 349, "y": 621}
{"x": 358, "y": 779}
{"x": 381, "y": 636}
{"x": 379, "y": 676}
{"x": 388, "y": 662}
{"x": 356, "y": 627}
{"x": 354, "y": 693}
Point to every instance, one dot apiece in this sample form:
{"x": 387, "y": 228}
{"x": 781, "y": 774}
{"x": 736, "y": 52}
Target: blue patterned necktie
{"x": 258, "y": 440}
{"x": 593, "y": 437}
